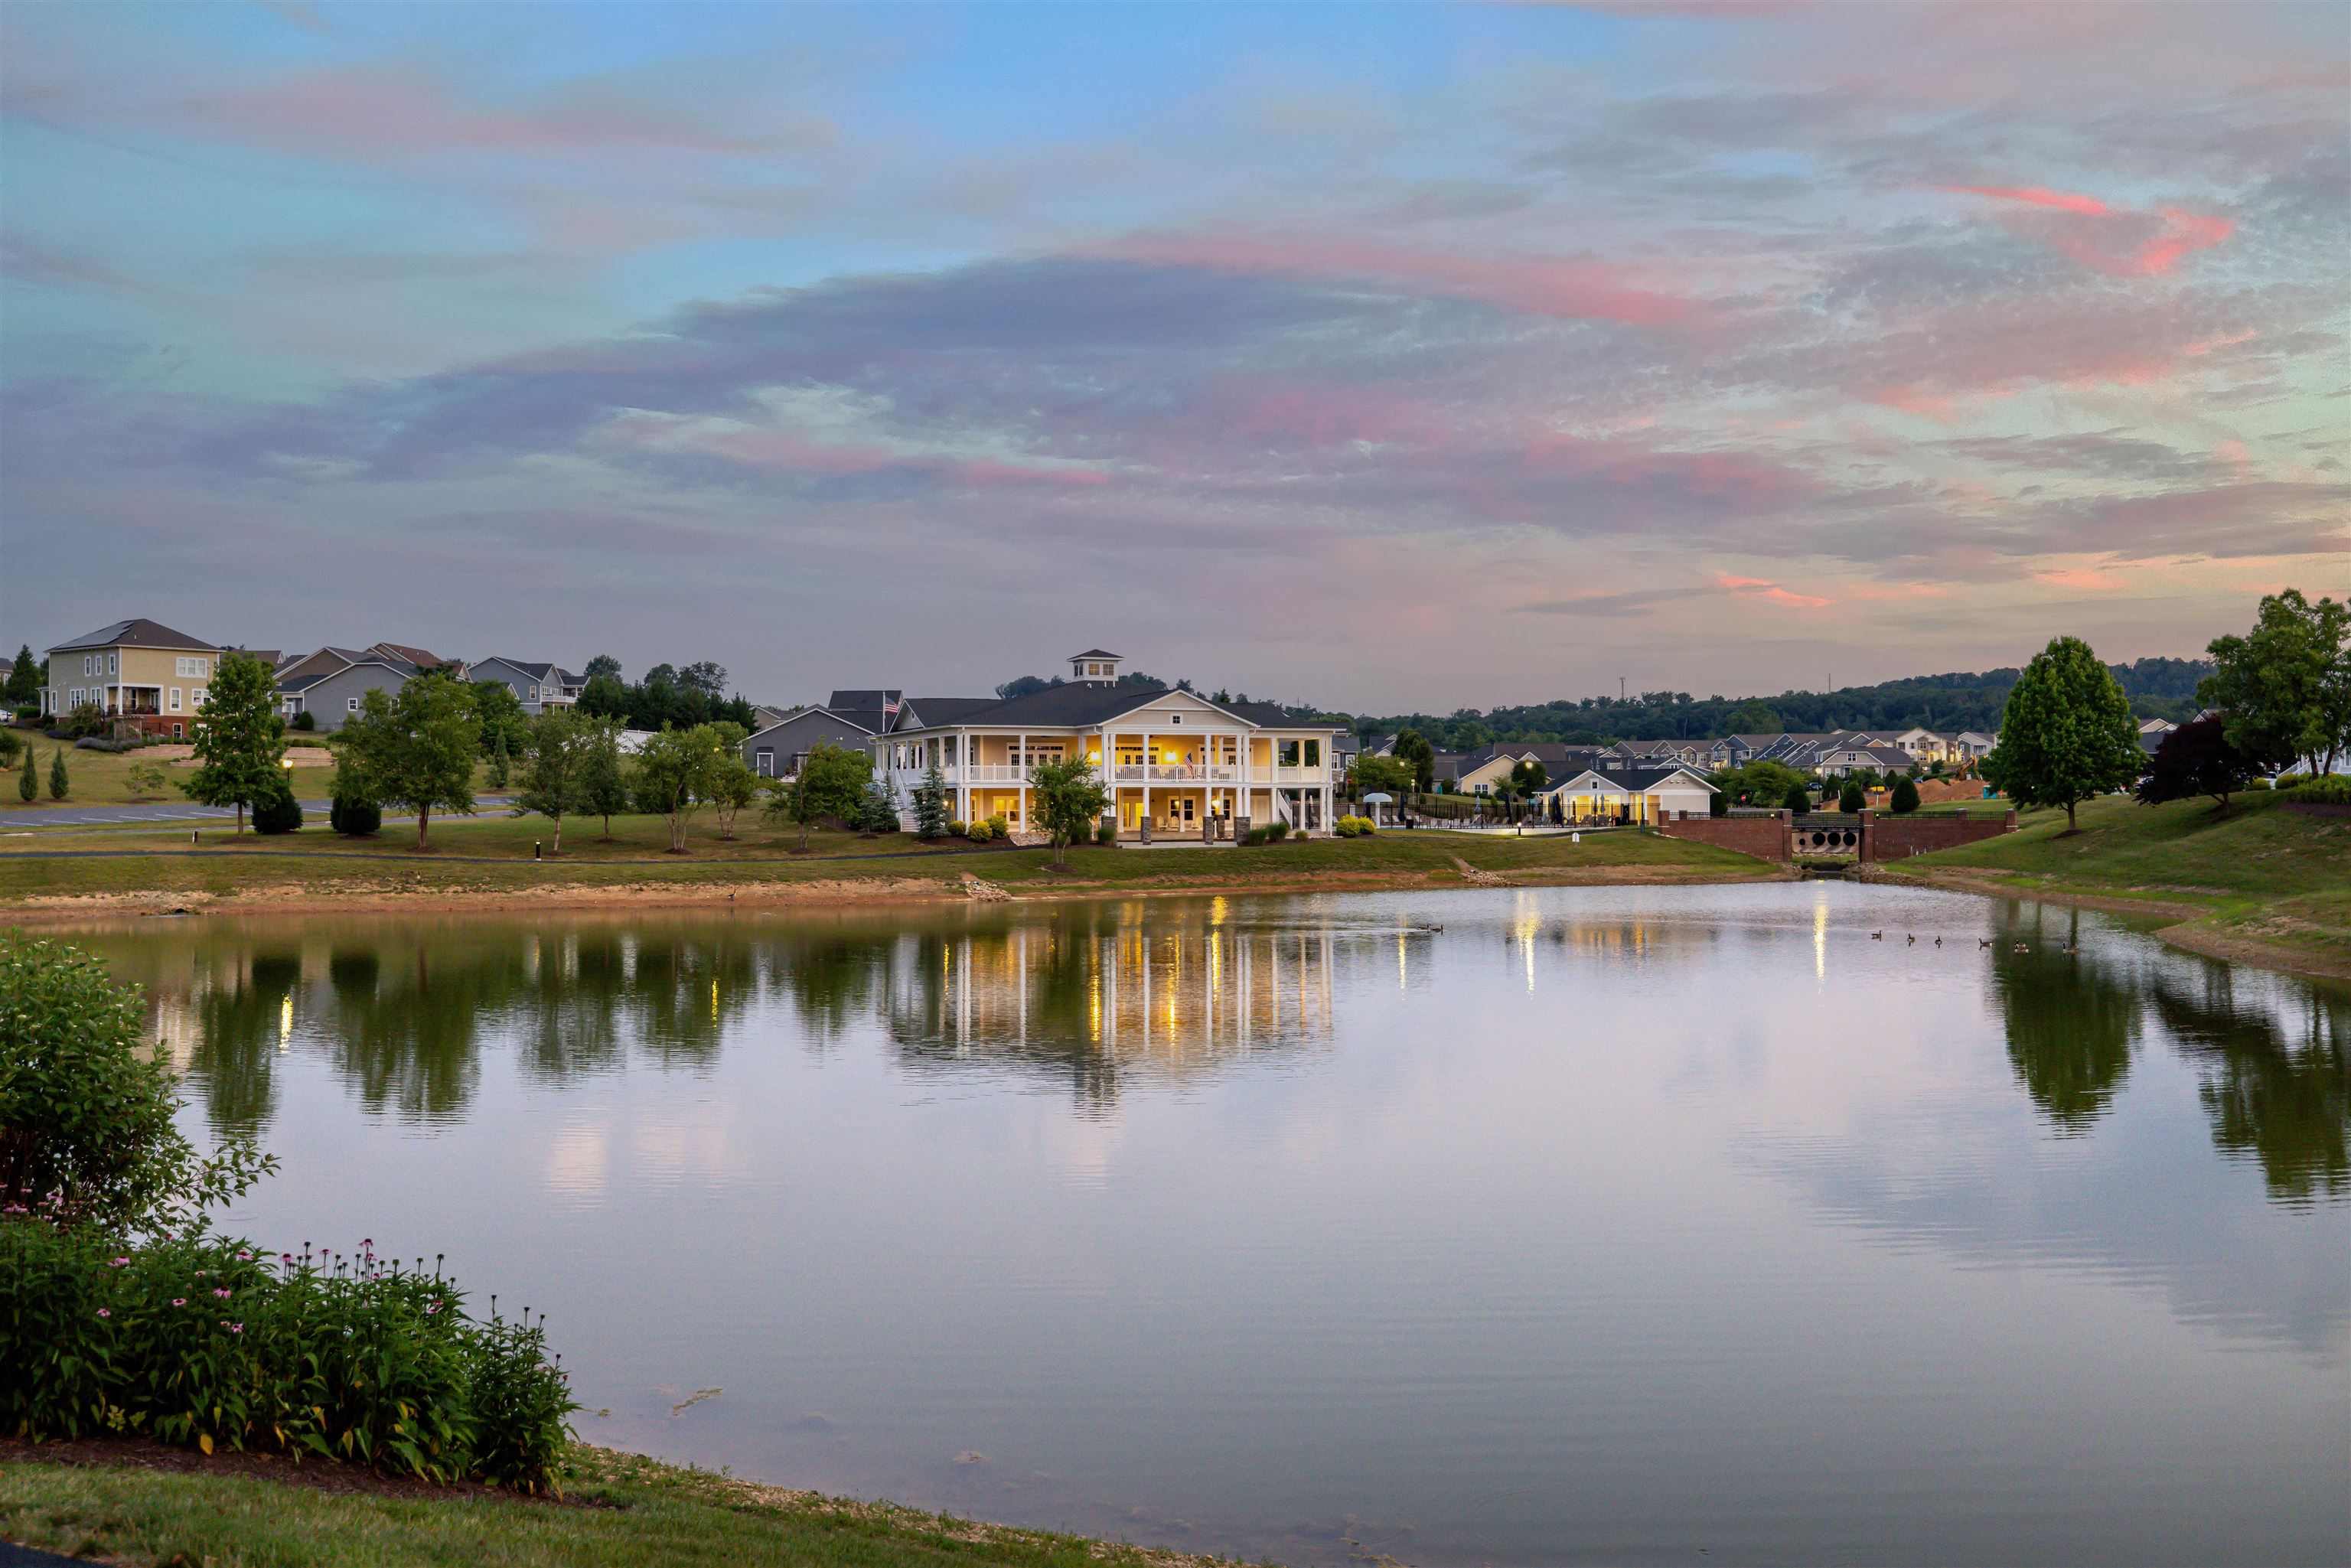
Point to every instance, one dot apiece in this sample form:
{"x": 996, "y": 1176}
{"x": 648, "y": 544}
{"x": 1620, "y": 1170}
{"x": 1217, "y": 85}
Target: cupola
{"x": 1095, "y": 667}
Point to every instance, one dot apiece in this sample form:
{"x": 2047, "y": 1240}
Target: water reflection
{"x": 1086, "y": 996}
{"x": 1468, "y": 1211}
{"x": 2277, "y": 1079}
{"x": 2072, "y": 1019}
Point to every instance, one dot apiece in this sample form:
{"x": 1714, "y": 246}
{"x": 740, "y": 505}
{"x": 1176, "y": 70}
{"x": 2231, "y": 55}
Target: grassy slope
{"x": 493, "y": 854}
{"x": 103, "y": 777}
{"x": 656, "y": 1516}
{"x": 2259, "y": 873}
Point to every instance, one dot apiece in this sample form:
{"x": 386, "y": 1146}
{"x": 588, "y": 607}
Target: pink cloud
{"x": 1770, "y": 591}
{"x": 2113, "y": 240}
{"x": 1534, "y": 285}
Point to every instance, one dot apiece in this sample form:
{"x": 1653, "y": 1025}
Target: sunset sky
{"x": 1409, "y": 356}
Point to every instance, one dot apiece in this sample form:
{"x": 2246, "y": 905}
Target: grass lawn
{"x": 647, "y": 1516}
{"x": 2259, "y": 872}
{"x": 103, "y": 777}
{"x": 491, "y": 853}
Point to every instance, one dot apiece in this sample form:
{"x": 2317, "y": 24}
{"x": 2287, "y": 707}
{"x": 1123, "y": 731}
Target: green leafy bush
{"x": 355, "y": 819}
{"x": 86, "y": 1129}
{"x": 957, "y": 829}
{"x": 2326, "y": 789}
{"x": 2256, "y": 784}
{"x": 1851, "y": 798}
{"x": 980, "y": 832}
{"x": 304, "y": 720}
{"x": 278, "y": 811}
{"x": 1797, "y": 799}
{"x": 1276, "y": 831}
{"x": 1353, "y": 827}
{"x": 1906, "y": 797}
{"x": 203, "y": 1342}
{"x": 1106, "y": 830}
{"x": 1257, "y": 835}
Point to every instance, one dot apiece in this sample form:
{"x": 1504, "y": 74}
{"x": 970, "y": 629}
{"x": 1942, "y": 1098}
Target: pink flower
{"x": 431, "y": 1306}
{"x": 105, "y": 1311}
{"x": 235, "y": 1328}
{"x": 245, "y": 1257}
{"x": 117, "y": 1263}
{"x": 179, "y": 1301}
{"x": 221, "y": 1293}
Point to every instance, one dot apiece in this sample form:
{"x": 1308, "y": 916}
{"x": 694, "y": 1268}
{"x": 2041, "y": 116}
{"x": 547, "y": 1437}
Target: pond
{"x": 1801, "y": 1222}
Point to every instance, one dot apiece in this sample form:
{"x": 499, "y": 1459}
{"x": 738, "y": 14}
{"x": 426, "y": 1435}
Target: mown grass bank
{"x": 618, "y": 1511}
{"x": 488, "y": 861}
{"x": 2259, "y": 882}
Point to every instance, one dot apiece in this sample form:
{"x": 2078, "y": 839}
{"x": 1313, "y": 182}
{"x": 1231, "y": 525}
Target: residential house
{"x": 1614, "y": 791}
{"x": 141, "y": 674}
{"x": 1660, "y": 753}
{"x": 331, "y": 683}
{"x": 1478, "y": 771}
{"x": 1169, "y": 758}
{"x": 850, "y": 720}
{"x": 1852, "y": 753}
{"x": 538, "y": 686}
{"x": 2151, "y": 733}
{"x": 1739, "y": 750}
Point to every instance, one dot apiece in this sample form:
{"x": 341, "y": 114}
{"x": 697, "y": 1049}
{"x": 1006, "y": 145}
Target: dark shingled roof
{"x": 1077, "y": 705}
{"x": 136, "y": 634}
{"x": 1633, "y": 781}
{"x": 1098, "y": 653}
{"x": 930, "y": 711}
{"x": 843, "y": 702}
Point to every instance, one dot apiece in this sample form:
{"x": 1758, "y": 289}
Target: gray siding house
{"x": 334, "y": 697}
{"x": 330, "y": 683}
{"x": 538, "y": 686}
{"x": 777, "y": 751}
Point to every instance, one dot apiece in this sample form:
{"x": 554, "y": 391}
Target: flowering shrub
{"x": 200, "y": 1341}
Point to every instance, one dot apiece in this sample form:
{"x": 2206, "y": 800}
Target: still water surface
{"x": 1599, "y": 1225}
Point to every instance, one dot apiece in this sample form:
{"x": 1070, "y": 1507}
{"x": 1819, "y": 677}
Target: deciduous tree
{"x": 2067, "y": 732}
{"x": 2196, "y": 759}
{"x": 1413, "y": 749}
{"x": 678, "y": 771}
{"x": 1067, "y": 798}
{"x": 555, "y": 766}
{"x": 2284, "y": 687}
{"x": 415, "y": 750}
{"x": 239, "y": 737}
{"x": 831, "y": 784}
{"x": 603, "y": 784}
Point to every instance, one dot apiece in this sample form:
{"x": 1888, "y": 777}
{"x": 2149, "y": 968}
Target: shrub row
{"x": 1268, "y": 833}
{"x": 2326, "y": 789}
{"x": 200, "y": 1341}
{"x": 1353, "y": 827}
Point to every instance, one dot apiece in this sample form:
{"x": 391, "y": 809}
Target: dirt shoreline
{"x": 2191, "y": 930}
{"x": 387, "y": 899}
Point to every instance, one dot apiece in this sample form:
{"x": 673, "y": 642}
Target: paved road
{"x": 23, "y": 818}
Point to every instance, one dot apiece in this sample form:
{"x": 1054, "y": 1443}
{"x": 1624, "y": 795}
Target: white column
{"x": 1022, "y": 764}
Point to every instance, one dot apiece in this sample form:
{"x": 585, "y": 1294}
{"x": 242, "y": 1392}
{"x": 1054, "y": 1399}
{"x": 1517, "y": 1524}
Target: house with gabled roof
{"x": 1615, "y": 791}
{"x": 138, "y": 673}
{"x": 331, "y": 683}
{"x": 1169, "y": 758}
{"x": 536, "y": 684}
{"x": 777, "y": 750}
{"x": 1478, "y": 772}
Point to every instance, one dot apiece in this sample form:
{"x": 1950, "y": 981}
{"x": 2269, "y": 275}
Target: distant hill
{"x": 2159, "y": 689}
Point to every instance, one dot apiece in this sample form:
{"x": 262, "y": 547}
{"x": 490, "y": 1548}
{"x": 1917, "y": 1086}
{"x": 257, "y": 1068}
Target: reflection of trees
{"x": 241, "y": 1024}
{"x": 403, "y": 1033}
{"x": 689, "y": 989}
{"x": 832, "y": 978}
{"x": 2279, "y": 1094}
{"x": 2070, "y": 1022}
{"x": 570, "y": 1019}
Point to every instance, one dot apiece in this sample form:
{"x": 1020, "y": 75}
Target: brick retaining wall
{"x": 1765, "y": 838}
{"x": 1890, "y": 837}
